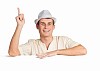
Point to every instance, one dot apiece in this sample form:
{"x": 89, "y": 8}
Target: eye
{"x": 42, "y": 23}
{"x": 49, "y": 23}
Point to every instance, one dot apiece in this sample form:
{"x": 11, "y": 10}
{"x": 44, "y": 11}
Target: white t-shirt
{"x": 35, "y": 46}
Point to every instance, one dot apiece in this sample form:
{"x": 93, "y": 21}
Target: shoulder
{"x": 61, "y": 37}
{"x": 33, "y": 40}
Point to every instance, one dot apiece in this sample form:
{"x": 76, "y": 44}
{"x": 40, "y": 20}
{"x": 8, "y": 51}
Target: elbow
{"x": 13, "y": 53}
{"x": 84, "y": 51}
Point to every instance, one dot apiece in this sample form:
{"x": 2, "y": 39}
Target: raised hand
{"x": 20, "y": 18}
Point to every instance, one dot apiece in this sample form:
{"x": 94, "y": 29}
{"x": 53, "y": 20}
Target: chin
{"x": 46, "y": 35}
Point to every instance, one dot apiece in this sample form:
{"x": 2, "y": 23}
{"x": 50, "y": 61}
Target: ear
{"x": 37, "y": 26}
{"x": 53, "y": 27}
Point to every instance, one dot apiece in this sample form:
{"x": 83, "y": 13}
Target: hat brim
{"x": 36, "y": 20}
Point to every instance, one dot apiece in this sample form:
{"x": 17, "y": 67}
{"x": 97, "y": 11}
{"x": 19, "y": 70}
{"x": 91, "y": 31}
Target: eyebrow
{"x": 44, "y": 22}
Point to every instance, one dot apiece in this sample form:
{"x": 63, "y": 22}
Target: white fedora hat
{"x": 44, "y": 14}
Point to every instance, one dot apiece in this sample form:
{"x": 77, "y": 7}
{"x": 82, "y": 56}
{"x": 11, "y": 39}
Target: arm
{"x": 75, "y": 51}
{"x": 13, "y": 47}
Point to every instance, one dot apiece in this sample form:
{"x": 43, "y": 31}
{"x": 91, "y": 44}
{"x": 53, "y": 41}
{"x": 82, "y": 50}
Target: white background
{"x": 77, "y": 19}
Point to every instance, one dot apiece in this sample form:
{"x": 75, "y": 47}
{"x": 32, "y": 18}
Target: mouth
{"x": 46, "y": 30}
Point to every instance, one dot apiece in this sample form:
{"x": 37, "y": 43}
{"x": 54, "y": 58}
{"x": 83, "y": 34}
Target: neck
{"x": 46, "y": 40}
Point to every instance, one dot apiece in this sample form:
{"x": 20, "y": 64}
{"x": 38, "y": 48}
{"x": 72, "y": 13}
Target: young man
{"x": 47, "y": 45}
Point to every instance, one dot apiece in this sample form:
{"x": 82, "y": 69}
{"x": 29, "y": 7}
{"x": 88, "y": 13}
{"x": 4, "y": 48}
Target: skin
{"x": 45, "y": 28}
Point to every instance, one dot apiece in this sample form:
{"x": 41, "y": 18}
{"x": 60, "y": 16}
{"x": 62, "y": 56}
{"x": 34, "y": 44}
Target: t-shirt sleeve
{"x": 69, "y": 43}
{"x": 25, "y": 49}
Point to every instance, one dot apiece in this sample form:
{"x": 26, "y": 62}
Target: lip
{"x": 46, "y": 30}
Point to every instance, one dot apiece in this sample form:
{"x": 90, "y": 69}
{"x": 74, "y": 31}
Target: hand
{"x": 48, "y": 54}
{"x": 20, "y": 18}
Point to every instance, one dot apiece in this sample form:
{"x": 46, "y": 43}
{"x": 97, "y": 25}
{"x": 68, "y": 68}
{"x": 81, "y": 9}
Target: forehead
{"x": 46, "y": 20}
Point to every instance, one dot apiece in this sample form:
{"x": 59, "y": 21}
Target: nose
{"x": 46, "y": 26}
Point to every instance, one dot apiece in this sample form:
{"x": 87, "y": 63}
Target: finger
{"x": 41, "y": 56}
{"x": 18, "y": 11}
{"x": 21, "y": 17}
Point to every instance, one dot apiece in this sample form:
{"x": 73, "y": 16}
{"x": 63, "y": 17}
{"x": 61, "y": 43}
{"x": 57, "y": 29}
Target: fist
{"x": 20, "y": 18}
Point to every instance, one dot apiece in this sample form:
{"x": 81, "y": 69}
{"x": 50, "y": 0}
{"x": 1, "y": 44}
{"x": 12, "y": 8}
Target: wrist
{"x": 19, "y": 26}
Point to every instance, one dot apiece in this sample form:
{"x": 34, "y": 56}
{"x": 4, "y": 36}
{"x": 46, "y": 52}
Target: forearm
{"x": 13, "y": 47}
{"x": 78, "y": 50}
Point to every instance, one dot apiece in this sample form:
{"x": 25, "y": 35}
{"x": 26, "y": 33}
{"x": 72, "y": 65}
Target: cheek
{"x": 41, "y": 29}
{"x": 53, "y": 28}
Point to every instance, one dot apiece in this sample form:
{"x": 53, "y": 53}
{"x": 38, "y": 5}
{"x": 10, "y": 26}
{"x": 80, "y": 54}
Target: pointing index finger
{"x": 18, "y": 11}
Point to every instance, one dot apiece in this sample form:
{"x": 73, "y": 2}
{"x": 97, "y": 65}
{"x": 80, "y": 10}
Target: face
{"x": 45, "y": 27}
